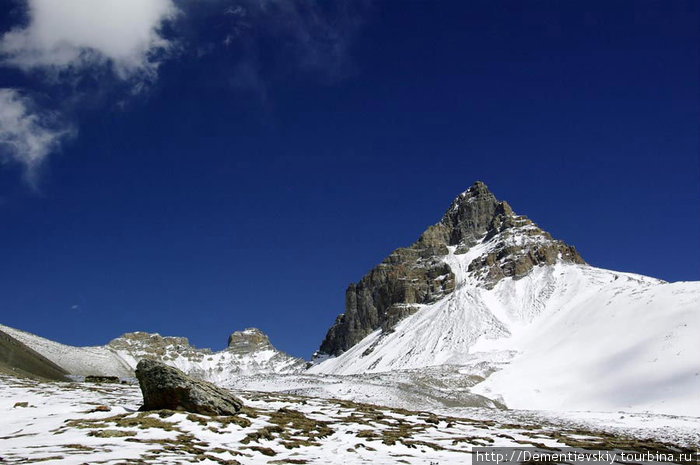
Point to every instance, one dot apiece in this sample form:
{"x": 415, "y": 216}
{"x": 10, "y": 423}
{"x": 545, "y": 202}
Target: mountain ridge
{"x": 120, "y": 356}
{"x": 417, "y": 275}
{"x": 19, "y": 359}
{"x": 526, "y": 317}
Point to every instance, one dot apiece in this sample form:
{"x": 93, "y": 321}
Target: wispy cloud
{"x": 320, "y": 32}
{"x": 28, "y": 134}
{"x": 62, "y": 41}
{"x": 272, "y": 41}
{"x": 71, "y": 35}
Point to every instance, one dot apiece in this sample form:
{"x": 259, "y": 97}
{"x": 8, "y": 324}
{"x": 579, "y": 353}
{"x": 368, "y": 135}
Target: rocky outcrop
{"x": 248, "y": 340}
{"x": 165, "y": 387}
{"x": 394, "y": 289}
{"x": 418, "y": 275}
{"x": 512, "y": 256}
{"x": 254, "y": 347}
{"x": 102, "y": 379}
{"x": 155, "y": 346}
{"x": 249, "y": 352}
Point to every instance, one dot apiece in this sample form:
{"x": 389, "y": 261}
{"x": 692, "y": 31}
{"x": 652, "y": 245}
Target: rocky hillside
{"x": 249, "y": 352}
{"x": 419, "y": 274}
{"x": 19, "y": 360}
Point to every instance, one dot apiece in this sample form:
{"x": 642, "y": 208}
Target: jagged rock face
{"x": 390, "y": 292}
{"x": 516, "y": 244}
{"x": 472, "y": 215}
{"x": 155, "y": 346}
{"x": 248, "y": 352}
{"x": 418, "y": 275}
{"x": 248, "y": 340}
{"x": 165, "y": 387}
{"x": 512, "y": 259}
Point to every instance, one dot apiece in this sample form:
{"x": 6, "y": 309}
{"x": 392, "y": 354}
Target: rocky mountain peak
{"x": 478, "y": 190}
{"x": 514, "y": 244}
{"x": 472, "y": 215}
{"x": 509, "y": 246}
{"x": 140, "y": 344}
{"x": 248, "y": 340}
{"x": 152, "y": 342}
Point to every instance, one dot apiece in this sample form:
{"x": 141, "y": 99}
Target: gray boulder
{"x": 165, "y": 387}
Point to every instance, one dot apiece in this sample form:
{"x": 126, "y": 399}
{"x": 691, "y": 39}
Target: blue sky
{"x": 194, "y": 168}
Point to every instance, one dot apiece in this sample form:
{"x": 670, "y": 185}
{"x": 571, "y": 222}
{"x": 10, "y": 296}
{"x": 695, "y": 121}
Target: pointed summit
{"x": 472, "y": 214}
{"x": 502, "y": 243}
{"x": 476, "y": 189}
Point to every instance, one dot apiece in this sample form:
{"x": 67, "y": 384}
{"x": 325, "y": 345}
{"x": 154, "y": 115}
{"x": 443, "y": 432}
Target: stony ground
{"x": 99, "y": 423}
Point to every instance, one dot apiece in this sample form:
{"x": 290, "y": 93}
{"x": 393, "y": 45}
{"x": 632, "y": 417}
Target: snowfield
{"x": 630, "y": 350}
{"x": 76, "y": 423}
{"x": 564, "y": 337}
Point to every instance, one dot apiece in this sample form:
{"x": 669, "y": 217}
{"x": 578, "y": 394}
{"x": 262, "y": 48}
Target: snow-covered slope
{"x": 621, "y": 348}
{"x": 121, "y": 355}
{"x": 97, "y": 360}
{"x": 566, "y": 336}
{"x": 218, "y": 367}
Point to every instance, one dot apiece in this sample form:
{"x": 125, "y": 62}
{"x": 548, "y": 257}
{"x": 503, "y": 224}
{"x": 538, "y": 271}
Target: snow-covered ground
{"x": 76, "y": 423}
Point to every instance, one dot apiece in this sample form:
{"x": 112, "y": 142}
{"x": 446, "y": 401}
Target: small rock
{"x": 100, "y": 408}
{"x": 21, "y": 404}
{"x": 101, "y": 379}
{"x": 165, "y": 387}
{"x": 111, "y": 433}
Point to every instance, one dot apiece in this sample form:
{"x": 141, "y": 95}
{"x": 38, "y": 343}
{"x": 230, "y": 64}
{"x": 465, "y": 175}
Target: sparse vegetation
{"x": 290, "y": 430}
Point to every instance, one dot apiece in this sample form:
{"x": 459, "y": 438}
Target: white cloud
{"x": 27, "y": 134}
{"x": 73, "y": 34}
{"x": 65, "y": 38}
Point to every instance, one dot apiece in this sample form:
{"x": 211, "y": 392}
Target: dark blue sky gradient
{"x": 213, "y": 203}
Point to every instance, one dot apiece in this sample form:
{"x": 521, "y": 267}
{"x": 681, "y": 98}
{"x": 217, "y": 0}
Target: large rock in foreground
{"x": 165, "y": 387}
